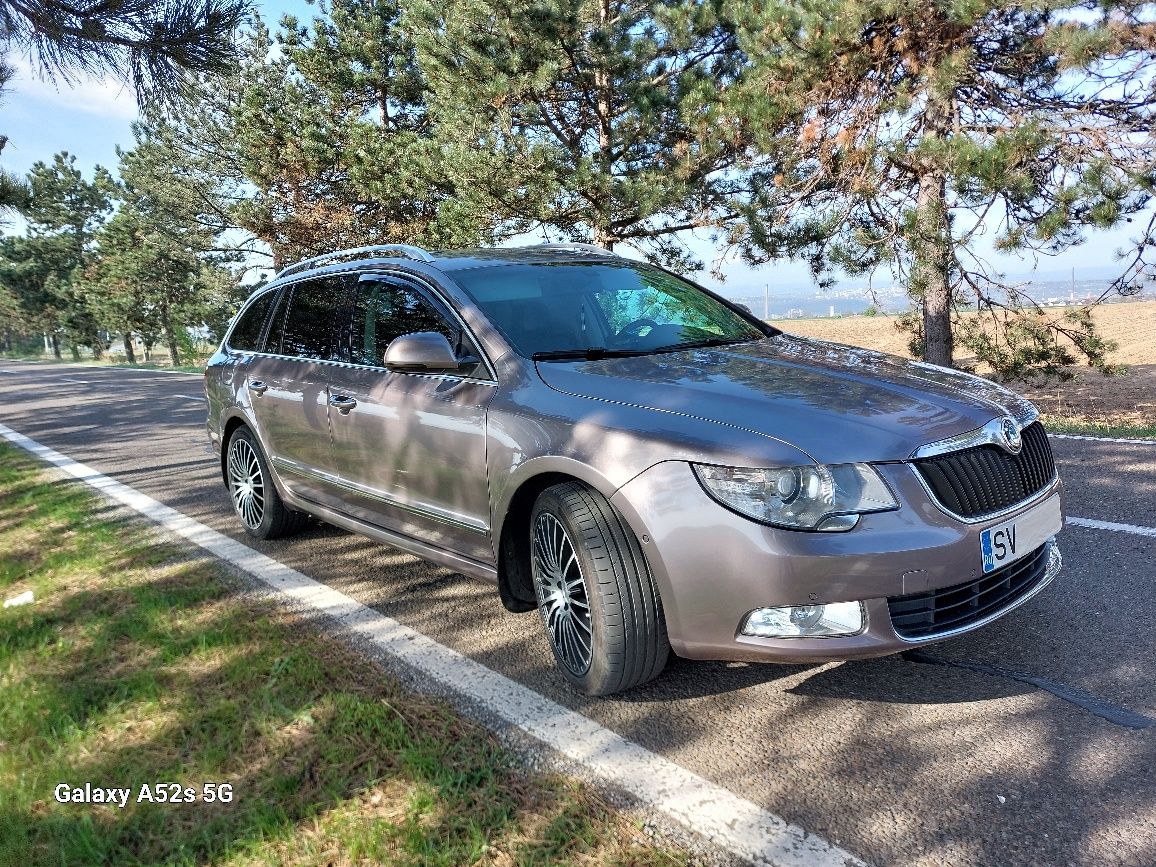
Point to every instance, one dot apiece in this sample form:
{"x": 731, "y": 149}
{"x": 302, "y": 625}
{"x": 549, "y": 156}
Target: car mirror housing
{"x": 422, "y": 350}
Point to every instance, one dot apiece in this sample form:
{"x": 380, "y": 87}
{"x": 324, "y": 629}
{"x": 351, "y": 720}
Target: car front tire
{"x": 256, "y": 502}
{"x": 595, "y": 593}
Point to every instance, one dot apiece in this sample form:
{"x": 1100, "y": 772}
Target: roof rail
{"x": 579, "y": 248}
{"x": 407, "y": 251}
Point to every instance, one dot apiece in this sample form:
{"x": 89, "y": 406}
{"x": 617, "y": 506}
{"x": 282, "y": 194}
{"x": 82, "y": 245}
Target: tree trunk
{"x": 603, "y": 236}
{"x": 75, "y": 350}
{"x": 931, "y": 277}
{"x": 56, "y": 347}
{"x": 171, "y": 339}
{"x": 129, "y": 354}
{"x": 383, "y": 107}
{"x": 933, "y": 269}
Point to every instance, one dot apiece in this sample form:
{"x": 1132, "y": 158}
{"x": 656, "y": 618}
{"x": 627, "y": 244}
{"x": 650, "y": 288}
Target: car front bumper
{"x": 713, "y": 567}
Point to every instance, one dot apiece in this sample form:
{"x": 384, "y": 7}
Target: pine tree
{"x": 320, "y": 141}
{"x": 63, "y": 215}
{"x": 345, "y": 149}
{"x": 151, "y": 280}
{"x": 897, "y": 133}
{"x": 594, "y": 119}
{"x": 157, "y": 272}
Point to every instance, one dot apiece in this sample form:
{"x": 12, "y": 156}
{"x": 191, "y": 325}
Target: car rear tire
{"x": 256, "y": 502}
{"x": 597, "y": 598}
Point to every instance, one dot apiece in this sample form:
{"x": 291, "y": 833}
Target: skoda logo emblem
{"x": 1011, "y": 435}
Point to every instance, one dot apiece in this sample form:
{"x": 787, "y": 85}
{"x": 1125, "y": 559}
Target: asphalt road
{"x": 900, "y": 760}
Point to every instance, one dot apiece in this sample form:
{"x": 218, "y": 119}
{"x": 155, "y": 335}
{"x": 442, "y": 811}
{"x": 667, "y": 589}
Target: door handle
{"x": 342, "y": 403}
{"x": 258, "y": 386}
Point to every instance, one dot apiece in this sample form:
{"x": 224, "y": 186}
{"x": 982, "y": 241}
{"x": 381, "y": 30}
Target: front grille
{"x": 925, "y": 615}
{"x": 986, "y": 479}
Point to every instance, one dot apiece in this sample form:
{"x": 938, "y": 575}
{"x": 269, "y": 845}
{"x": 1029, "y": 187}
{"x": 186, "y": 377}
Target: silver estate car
{"x": 645, "y": 463}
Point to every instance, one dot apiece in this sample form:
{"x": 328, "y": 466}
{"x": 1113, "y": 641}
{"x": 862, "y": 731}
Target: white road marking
{"x": 48, "y": 365}
{"x": 1056, "y": 436}
{"x": 158, "y": 370}
{"x": 1111, "y": 525}
{"x": 735, "y": 824}
{"x": 200, "y": 398}
{"x": 74, "y": 381}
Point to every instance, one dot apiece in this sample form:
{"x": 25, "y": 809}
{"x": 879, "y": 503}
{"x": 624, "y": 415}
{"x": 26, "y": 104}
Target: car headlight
{"x": 815, "y": 497}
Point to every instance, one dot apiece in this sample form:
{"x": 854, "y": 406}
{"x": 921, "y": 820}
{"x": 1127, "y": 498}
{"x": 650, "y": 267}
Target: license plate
{"x": 1007, "y": 542}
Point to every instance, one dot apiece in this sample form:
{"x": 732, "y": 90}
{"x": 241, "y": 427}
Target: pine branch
{"x": 146, "y": 44}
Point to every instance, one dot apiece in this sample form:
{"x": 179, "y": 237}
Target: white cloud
{"x": 102, "y": 97}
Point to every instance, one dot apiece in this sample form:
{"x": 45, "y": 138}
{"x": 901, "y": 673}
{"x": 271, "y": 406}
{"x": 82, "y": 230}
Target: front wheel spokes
{"x": 247, "y": 509}
{"x": 236, "y": 469}
{"x": 247, "y": 484}
{"x": 561, "y": 591}
{"x": 545, "y": 548}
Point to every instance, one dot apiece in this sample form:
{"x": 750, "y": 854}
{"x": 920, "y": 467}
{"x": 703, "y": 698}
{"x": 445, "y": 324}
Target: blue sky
{"x": 90, "y": 118}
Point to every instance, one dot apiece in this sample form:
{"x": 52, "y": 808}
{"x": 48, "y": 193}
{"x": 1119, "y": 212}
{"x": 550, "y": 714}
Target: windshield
{"x": 592, "y": 309}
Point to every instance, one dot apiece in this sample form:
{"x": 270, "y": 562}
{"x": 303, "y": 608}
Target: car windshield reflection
{"x": 602, "y": 310}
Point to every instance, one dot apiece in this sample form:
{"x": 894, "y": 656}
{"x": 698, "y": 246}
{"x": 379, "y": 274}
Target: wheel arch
{"x": 512, "y": 521}
{"x": 231, "y": 424}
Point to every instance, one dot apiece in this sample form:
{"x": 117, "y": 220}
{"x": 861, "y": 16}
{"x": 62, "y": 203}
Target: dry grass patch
{"x": 1122, "y": 405}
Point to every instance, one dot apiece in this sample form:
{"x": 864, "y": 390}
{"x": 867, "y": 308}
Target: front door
{"x": 411, "y": 447}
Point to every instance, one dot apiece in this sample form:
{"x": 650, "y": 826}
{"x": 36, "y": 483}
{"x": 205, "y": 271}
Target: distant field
{"x": 1132, "y": 325}
{"x": 1091, "y": 403}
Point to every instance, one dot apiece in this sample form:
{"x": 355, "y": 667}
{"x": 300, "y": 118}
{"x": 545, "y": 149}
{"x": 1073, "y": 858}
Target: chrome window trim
{"x": 347, "y": 364}
{"x": 989, "y": 434}
{"x": 1051, "y": 570}
{"x": 369, "y": 493}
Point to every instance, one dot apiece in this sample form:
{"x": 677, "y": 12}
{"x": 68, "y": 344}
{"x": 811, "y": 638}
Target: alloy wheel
{"x": 246, "y": 483}
{"x": 562, "y": 595}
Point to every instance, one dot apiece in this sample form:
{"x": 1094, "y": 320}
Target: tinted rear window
{"x": 246, "y": 334}
{"x": 312, "y": 324}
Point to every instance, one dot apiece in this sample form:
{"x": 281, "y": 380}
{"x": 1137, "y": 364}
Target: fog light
{"x": 805, "y": 621}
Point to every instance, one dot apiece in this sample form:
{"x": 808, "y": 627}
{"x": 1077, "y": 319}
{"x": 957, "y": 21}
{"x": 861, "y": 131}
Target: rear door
{"x": 410, "y": 446}
{"x": 287, "y": 384}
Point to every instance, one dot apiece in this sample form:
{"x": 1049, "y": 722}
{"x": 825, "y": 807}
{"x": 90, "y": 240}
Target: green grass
{"x": 1091, "y": 427}
{"x": 139, "y": 664}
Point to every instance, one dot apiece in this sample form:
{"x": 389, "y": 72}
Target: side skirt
{"x": 450, "y": 560}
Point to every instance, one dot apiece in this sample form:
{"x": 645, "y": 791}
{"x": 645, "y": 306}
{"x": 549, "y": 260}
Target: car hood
{"x": 836, "y": 403}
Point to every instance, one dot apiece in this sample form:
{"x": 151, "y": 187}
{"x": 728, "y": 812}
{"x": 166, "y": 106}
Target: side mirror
{"x": 422, "y": 350}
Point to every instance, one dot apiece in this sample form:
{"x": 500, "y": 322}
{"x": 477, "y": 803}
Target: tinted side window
{"x": 246, "y": 334}
{"x": 312, "y": 323}
{"x": 384, "y": 311}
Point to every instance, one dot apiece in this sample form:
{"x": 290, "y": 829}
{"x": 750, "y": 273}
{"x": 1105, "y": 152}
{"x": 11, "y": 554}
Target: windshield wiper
{"x": 699, "y": 344}
{"x": 592, "y": 353}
